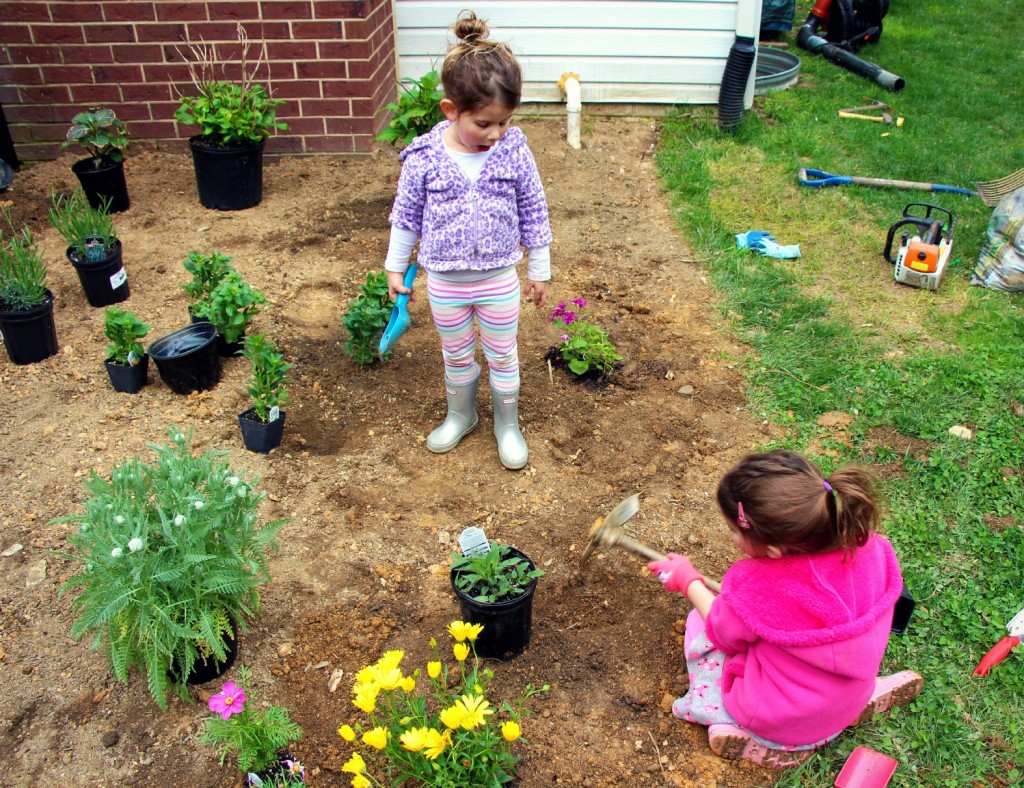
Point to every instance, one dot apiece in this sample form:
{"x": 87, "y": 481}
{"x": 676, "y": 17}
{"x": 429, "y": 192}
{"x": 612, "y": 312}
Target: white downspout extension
{"x": 748, "y": 24}
{"x": 570, "y": 87}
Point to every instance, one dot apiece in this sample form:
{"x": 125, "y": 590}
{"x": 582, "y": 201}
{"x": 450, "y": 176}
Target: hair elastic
{"x": 828, "y": 487}
{"x": 741, "y": 518}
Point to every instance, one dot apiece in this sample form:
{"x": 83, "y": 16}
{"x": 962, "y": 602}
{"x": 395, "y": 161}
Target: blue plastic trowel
{"x": 400, "y": 320}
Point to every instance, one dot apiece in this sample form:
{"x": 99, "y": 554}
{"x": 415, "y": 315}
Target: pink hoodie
{"x": 803, "y": 637}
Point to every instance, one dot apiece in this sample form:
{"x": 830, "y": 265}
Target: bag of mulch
{"x": 1001, "y": 260}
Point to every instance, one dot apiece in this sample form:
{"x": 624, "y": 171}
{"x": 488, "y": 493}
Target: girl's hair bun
{"x": 470, "y": 29}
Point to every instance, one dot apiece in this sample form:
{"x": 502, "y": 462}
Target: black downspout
{"x": 734, "y": 83}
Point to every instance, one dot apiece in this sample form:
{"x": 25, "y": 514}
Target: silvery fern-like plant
{"x": 173, "y": 555}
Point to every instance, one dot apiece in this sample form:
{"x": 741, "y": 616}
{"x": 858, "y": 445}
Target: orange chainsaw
{"x": 924, "y": 246}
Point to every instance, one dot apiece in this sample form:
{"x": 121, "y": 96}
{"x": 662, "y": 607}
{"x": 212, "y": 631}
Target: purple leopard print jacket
{"x": 477, "y": 226}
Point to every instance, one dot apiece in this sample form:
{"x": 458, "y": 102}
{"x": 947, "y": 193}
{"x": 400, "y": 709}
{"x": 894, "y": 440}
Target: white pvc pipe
{"x": 573, "y": 109}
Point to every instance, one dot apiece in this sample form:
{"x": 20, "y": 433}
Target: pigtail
{"x": 857, "y": 509}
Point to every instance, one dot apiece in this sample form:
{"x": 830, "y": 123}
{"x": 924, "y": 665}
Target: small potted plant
{"x": 235, "y": 119}
{"x": 93, "y": 247}
{"x": 258, "y": 739}
{"x": 585, "y": 347}
{"x": 435, "y": 726}
{"x": 173, "y": 555}
{"x": 366, "y": 318}
{"x": 207, "y": 270}
{"x": 26, "y": 304}
{"x": 418, "y": 109}
{"x": 127, "y": 362}
{"x": 495, "y": 584}
{"x": 262, "y": 425}
{"x": 230, "y": 306}
{"x": 101, "y": 174}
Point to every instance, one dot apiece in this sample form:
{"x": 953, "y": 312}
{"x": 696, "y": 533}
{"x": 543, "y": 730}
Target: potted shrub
{"x": 258, "y": 739}
{"x": 435, "y": 726}
{"x": 101, "y": 173}
{"x": 230, "y": 306}
{"x": 93, "y": 247}
{"x": 234, "y": 119}
{"x": 26, "y": 305}
{"x": 262, "y": 425}
{"x": 366, "y": 318}
{"x": 127, "y": 362}
{"x": 207, "y": 270}
{"x": 495, "y": 588}
{"x": 172, "y": 557}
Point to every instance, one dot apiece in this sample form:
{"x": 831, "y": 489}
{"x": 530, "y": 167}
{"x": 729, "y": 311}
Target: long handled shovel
{"x": 820, "y": 179}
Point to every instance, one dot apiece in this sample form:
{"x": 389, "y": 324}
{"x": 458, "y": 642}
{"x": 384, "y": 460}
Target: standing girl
{"x": 784, "y": 654}
{"x": 470, "y": 192}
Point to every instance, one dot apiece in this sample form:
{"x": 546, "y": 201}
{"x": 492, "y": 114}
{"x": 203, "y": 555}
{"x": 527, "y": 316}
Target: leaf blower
{"x": 848, "y": 25}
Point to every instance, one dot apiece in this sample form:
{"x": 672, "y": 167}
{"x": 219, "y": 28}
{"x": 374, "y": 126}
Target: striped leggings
{"x": 495, "y": 303}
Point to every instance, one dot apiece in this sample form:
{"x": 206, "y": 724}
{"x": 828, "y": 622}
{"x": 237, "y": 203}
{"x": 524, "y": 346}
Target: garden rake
{"x": 993, "y": 191}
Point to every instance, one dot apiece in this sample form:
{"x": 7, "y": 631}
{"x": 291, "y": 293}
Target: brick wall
{"x": 333, "y": 63}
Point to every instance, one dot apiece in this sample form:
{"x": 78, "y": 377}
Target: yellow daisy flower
{"x": 355, "y": 764}
{"x": 435, "y": 743}
{"x": 434, "y": 669}
{"x": 414, "y": 739}
{"x": 460, "y": 630}
{"x": 377, "y": 738}
{"x": 390, "y": 659}
{"x": 452, "y": 717}
{"x": 475, "y": 709}
{"x": 389, "y": 678}
{"x": 461, "y": 651}
{"x": 346, "y": 732}
{"x": 361, "y": 781}
{"x": 511, "y": 730}
{"x": 408, "y": 684}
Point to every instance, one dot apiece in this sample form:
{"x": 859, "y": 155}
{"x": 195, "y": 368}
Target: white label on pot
{"x": 473, "y": 541}
{"x": 133, "y": 358}
{"x": 275, "y": 413}
{"x": 118, "y": 279}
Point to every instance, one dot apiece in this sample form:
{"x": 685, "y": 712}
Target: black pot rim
{"x": 505, "y": 603}
{"x": 208, "y": 144}
{"x": 249, "y": 414}
{"x": 110, "y": 360}
{"x": 86, "y": 164}
{"x": 14, "y": 314}
{"x": 207, "y": 329}
{"x": 79, "y": 263}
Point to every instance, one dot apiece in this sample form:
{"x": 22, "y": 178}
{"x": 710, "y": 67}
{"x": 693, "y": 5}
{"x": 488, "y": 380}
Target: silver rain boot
{"x": 461, "y": 420}
{"x": 511, "y": 447}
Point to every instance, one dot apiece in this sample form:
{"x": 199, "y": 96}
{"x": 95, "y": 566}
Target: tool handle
{"x": 642, "y": 550}
{"x": 873, "y": 118}
{"x": 407, "y": 280}
{"x": 820, "y": 178}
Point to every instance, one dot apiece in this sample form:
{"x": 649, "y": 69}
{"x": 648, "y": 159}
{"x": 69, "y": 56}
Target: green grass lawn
{"x": 832, "y": 333}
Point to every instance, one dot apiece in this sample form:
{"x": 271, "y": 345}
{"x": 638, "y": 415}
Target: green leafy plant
{"x": 230, "y": 306}
{"x": 438, "y": 728}
{"x": 417, "y": 111}
{"x": 254, "y": 737}
{"x": 229, "y": 114}
{"x": 89, "y": 232}
{"x": 585, "y": 346}
{"x": 269, "y": 374}
{"x": 495, "y": 576}
{"x": 124, "y": 330}
{"x": 101, "y": 133}
{"x": 366, "y": 319}
{"x": 22, "y": 270}
{"x": 172, "y": 558}
{"x": 207, "y": 270}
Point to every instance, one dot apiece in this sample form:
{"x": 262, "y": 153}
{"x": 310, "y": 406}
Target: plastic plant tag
{"x": 118, "y": 278}
{"x": 133, "y": 358}
{"x": 274, "y": 415}
{"x": 473, "y": 541}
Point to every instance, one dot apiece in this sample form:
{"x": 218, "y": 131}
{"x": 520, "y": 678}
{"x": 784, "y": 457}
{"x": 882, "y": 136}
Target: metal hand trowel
{"x": 400, "y": 320}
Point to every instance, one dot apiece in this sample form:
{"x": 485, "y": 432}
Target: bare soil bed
{"x": 374, "y": 516}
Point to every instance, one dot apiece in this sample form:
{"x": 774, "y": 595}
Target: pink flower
{"x": 579, "y": 302}
{"x": 230, "y": 700}
{"x": 564, "y": 337}
{"x": 569, "y": 318}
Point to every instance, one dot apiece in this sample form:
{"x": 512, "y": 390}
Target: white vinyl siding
{"x": 642, "y": 52}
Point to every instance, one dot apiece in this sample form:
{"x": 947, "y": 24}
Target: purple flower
{"x": 569, "y": 318}
{"x": 295, "y": 769}
{"x": 564, "y": 337}
{"x": 230, "y": 700}
{"x": 579, "y": 302}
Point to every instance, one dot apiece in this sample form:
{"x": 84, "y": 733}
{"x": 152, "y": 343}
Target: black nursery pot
{"x": 107, "y": 180}
{"x": 507, "y": 625}
{"x": 30, "y": 335}
{"x": 204, "y": 670}
{"x": 228, "y": 179}
{"x": 187, "y": 359}
{"x": 259, "y": 436}
{"x": 229, "y": 349}
{"x": 128, "y": 378}
{"x": 104, "y": 281}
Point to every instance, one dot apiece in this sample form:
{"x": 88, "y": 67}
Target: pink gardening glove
{"x": 675, "y": 572}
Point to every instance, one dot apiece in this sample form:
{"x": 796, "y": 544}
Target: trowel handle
{"x": 407, "y": 280}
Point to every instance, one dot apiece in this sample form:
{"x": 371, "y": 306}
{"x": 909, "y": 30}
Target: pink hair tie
{"x": 741, "y": 518}
{"x": 828, "y": 487}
